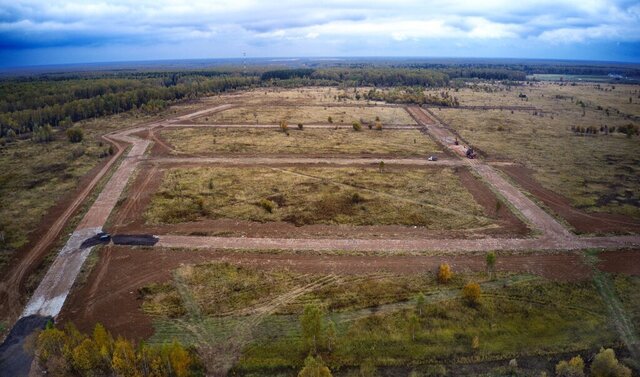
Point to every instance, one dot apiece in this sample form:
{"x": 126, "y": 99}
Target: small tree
{"x": 284, "y": 127}
{"x": 491, "y": 264}
{"x": 356, "y": 126}
{"x": 381, "y": 166}
{"x": 471, "y": 293}
{"x": 378, "y": 126}
{"x": 311, "y": 323}
{"x": 300, "y": 126}
{"x": 572, "y": 368}
{"x": 329, "y": 119}
{"x": 331, "y": 335}
{"x": 314, "y": 367}
{"x": 605, "y": 364}
{"x": 475, "y": 343}
{"x": 74, "y": 134}
{"x": 420, "y": 304}
{"x": 414, "y": 325}
{"x": 444, "y": 273}
{"x": 42, "y": 134}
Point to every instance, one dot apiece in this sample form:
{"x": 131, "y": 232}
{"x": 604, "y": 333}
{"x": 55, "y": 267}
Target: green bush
{"x": 267, "y": 205}
{"x": 357, "y": 126}
{"x": 42, "y": 134}
{"x": 75, "y": 134}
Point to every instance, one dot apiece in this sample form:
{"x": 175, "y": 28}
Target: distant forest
{"x": 28, "y": 103}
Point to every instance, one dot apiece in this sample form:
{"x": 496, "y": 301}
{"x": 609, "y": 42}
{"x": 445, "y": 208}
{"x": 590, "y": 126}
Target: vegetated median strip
{"x": 305, "y": 161}
{"x": 275, "y": 126}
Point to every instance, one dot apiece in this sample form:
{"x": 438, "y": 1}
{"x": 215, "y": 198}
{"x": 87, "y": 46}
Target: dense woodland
{"x": 34, "y": 103}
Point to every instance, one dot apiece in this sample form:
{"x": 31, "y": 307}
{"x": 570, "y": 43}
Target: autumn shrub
{"x": 605, "y": 364}
{"x": 444, "y": 273}
{"x": 267, "y": 205}
{"x": 571, "y": 368}
{"x": 471, "y": 293}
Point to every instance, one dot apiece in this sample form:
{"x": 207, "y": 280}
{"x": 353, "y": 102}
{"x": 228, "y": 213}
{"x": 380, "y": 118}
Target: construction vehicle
{"x": 471, "y": 154}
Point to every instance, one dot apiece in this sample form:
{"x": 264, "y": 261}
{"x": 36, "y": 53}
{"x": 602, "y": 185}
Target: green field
{"x": 519, "y": 316}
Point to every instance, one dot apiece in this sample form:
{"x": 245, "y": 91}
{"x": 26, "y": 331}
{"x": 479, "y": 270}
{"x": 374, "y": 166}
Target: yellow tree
{"x": 86, "y": 357}
{"x": 444, "y": 273}
{"x": 471, "y": 293}
{"x": 124, "y": 358}
{"x": 180, "y": 359}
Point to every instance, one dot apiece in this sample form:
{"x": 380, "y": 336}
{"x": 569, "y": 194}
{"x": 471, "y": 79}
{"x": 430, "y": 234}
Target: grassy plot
{"x": 431, "y": 198}
{"x": 597, "y": 173}
{"x": 309, "y": 114}
{"x": 628, "y": 291}
{"x": 397, "y": 143}
{"x": 374, "y": 317}
{"x": 42, "y": 173}
{"x": 507, "y": 324}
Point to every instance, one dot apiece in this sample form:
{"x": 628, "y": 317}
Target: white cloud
{"x": 331, "y": 22}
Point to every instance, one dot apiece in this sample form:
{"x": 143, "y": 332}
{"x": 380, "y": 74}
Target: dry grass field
{"x": 596, "y": 172}
{"x": 432, "y": 198}
{"x": 398, "y": 143}
{"x": 308, "y": 114}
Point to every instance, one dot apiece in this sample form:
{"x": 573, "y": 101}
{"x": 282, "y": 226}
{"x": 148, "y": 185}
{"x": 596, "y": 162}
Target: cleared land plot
{"x": 554, "y": 97}
{"x": 432, "y": 198}
{"x": 401, "y": 143}
{"x": 309, "y": 114}
{"x": 596, "y": 173}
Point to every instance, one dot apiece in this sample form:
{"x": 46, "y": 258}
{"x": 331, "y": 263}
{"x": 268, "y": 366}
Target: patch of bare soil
{"x": 582, "y": 221}
{"x": 128, "y": 218}
{"x": 110, "y": 294}
{"x": 623, "y": 261}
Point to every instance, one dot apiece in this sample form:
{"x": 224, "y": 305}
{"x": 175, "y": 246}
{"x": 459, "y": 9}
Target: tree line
{"x": 52, "y": 103}
{"x": 68, "y": 352}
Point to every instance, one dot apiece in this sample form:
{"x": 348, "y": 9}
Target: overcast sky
{"x": 52, "y": 32}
